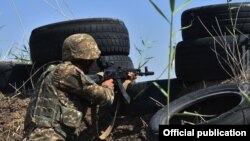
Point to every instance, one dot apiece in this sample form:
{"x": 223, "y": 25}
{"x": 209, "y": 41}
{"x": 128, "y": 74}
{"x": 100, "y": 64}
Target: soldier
{"x": 64, "y": 93}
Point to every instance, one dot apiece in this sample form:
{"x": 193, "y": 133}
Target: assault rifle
{"x": 119, "y": 74}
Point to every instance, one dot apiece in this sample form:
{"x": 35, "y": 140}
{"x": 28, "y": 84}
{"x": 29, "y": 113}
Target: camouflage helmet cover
{"x": 80, "y": 46}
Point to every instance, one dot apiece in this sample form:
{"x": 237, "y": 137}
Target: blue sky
{"x": 19, "y": 18}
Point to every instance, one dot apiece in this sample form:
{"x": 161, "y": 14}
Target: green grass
{"x": 172, "y": 45}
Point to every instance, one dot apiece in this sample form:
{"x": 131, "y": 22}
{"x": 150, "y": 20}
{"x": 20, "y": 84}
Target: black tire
{"x": 224, "y": 101}
{"x": 14, "y": 74}
{"x": 111, "y": 36}
{"x": 143, "y": 95}
{"x": 196, "y": 59}
{"x": 217, "y": 20}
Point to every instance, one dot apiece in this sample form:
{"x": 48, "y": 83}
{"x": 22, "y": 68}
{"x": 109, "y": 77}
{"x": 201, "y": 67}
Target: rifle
{"x": 119, "y": 74}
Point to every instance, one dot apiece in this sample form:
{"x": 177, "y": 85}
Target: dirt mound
{"x": 13, "y": 110}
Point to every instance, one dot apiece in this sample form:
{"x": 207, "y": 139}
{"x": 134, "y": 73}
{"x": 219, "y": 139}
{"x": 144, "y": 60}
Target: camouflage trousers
{"x": 44, "y": 134}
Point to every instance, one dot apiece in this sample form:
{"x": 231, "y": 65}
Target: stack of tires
{"x": 202, "y": 56}
{"x": 111, "y": 36}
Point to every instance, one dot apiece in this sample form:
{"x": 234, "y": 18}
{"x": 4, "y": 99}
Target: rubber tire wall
{"x": 224, "y": 100}
{"x": 46, "y": 41}
{"x": 14, "y": 74}
{"x": 217, "y": 20}
{"x": 196, "y": 59}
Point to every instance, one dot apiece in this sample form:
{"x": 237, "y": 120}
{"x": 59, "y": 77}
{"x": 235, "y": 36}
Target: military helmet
{"x": 80, "y": 47}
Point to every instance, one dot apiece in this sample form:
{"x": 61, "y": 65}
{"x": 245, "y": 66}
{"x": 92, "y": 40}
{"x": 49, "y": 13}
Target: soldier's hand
{"x": 132, "y": 75}
{"x": 108, "y": 84}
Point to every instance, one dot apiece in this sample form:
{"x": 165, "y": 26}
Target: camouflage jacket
{"x": 62, "y": 96}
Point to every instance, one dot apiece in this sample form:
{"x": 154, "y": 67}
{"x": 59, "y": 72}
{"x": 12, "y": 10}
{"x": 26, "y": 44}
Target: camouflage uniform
{"x": 64, "y": 93}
